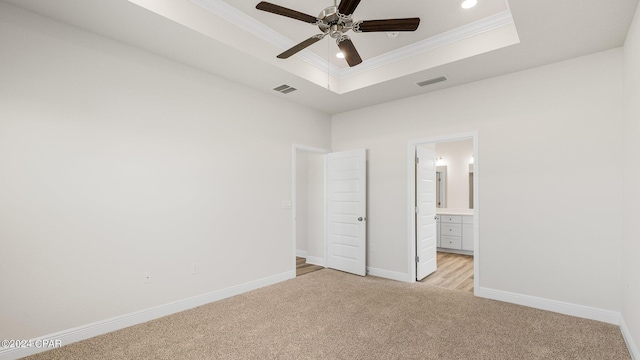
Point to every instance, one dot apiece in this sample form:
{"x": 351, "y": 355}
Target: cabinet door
{"x": 467, "y": 237}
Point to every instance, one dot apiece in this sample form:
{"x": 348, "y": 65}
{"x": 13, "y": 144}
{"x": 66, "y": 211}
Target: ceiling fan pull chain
{"x": 328, "y": 64}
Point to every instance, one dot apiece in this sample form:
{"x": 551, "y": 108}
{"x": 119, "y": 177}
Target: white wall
{"x": 550, "y": 219}
{"x": 631, "y": 244}
{"x": 302, "y": 192}
{"x": 456, "y": 156}
{"x": 114, "y": 161}
{"x": 310, "y": 205}
{"x": 315, "y": 207}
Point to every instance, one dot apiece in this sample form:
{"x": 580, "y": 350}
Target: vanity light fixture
{"x": 472, "y": 159}
{"x": 439, "y": 160}
{"x": 468, "y": 4}
{"x": 340, "y": 55}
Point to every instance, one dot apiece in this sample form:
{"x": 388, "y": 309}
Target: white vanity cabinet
{"x": 450, "y": 231}
{"x": 467, "y": 233}
{"x": 455, "y": 232}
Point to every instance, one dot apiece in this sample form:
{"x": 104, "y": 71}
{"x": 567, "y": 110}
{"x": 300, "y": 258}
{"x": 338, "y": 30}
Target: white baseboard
{"x": 387, "y": 274}
{"x": 316, "y": 261}
{"x": 586, "y": 312}
{"x": 120, "y": 322}
{"x": 631, "y": 345}
{"x": 302, "y": 253}
{"x": 454, "y": 251}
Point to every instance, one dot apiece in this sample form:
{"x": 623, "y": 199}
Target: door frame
{"x": 294, "y": 167}
{"x": 411, "y": 201}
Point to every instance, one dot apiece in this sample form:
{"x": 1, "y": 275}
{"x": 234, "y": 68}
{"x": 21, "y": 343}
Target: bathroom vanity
{"x": 455, "y": 196}
{"x": 455, "y": 231}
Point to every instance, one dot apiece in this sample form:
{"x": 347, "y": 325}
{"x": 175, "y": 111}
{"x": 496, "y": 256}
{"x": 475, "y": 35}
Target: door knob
{"x": 360, "y": 218}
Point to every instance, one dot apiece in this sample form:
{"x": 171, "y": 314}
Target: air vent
{"x": 432, "y": 81}
{"x": 285, "y": 89}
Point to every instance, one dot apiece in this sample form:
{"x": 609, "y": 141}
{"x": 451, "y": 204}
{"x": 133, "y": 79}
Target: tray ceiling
{"x": 548, "y": 31}
{"x": 447, "y": 33}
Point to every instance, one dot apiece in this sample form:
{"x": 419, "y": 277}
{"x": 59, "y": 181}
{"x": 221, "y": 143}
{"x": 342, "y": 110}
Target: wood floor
{"x": 454, "y": 272}
{"x": 303, "y": 268}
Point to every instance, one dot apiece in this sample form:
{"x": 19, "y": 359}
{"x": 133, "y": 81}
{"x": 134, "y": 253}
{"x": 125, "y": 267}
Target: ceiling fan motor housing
{"x": 334, "y": 24}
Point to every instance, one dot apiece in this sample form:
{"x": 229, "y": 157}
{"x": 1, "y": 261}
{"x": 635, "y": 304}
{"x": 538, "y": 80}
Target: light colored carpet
{"x": 332, "y": 315}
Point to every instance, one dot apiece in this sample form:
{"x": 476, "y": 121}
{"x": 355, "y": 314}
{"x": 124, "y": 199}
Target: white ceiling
{"x": 547, "y": 30}
{"x": 263, "y": 35}
{"x": 437, "y": 16}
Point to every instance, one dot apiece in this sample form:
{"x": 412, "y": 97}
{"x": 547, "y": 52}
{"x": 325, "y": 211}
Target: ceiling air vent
{"x": 432, "y": 81}
{"x": 285, "y": 89}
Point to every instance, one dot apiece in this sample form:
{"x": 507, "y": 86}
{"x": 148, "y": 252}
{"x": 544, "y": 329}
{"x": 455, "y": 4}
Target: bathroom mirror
{"x": 454, "y": 174}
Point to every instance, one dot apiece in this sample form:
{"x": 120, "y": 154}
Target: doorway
{"x": 329, "y": 208}
{"x": 308, "y": 207}
{"x": 457, "y": 214}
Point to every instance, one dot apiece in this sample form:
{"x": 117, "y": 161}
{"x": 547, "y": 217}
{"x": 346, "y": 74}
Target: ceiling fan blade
{"x": 408, "y": 24}
{"x": 310, "y": 41}
{"x": 280, "y": 10}
{"x": 347, "y": 7}
{"x": 349, "y": 51}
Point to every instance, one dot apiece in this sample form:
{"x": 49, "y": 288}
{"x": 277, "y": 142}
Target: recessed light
{"x": 340, "y": 55}
{"x": 468, "y": 4}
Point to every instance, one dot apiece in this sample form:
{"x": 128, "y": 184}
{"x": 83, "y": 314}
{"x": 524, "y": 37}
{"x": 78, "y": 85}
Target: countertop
{"x": 446, "y": 211}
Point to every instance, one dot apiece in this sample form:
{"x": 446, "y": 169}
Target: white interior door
{"x": 346, "y": 211}
{"x": 426, "y": 235}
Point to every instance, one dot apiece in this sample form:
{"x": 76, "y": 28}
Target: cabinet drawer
{"x": 450, "y": 229}
{"x": 451, "y": 242}
{"x": 455, "y": 219}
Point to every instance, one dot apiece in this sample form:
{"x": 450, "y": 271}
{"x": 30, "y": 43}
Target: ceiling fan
{"x": 335, "y": 21}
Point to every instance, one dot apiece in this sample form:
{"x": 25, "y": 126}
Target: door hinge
{"x": 417, "y": 210}
{"x": 417, "y": 259}
{"x": 417, "y": 160}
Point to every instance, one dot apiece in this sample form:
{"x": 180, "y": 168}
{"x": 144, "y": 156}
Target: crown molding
{"x": 264, "y": 32}
{"x": 463, "y": 32}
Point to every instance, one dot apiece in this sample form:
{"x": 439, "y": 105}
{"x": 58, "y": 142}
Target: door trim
{"x": 294, "y": 168}
{"x": 411, "y": 201}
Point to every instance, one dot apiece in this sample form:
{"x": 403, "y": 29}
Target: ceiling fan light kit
{"x": 468, "y": 4}
{"x": 335, "y": 21}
